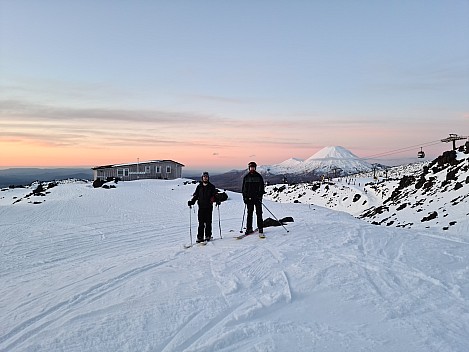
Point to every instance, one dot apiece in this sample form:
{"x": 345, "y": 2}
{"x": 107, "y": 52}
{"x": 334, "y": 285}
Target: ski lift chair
{"x": 421, "y": 153}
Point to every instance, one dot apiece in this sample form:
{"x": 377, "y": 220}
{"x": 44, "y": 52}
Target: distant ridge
{"x": 25, "y": 176}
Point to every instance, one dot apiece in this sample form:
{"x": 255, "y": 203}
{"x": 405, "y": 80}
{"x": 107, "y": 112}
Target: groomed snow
{"x": 105, "y": 270}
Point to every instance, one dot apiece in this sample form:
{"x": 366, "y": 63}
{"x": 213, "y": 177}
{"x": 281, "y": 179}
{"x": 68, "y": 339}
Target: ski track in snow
{"x": 104, "y": 270}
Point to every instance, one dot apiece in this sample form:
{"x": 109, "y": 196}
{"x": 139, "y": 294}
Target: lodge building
{"x": 153, "y": 169}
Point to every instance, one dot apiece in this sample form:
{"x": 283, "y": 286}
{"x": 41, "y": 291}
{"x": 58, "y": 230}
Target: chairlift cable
{"x": 401, "y": 150}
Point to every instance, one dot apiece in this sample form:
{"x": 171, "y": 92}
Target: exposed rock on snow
{"x": 430, "y": 195}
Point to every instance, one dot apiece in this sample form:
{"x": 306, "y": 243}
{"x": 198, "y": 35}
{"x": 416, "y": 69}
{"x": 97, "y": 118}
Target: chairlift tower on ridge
{"x": 453, "y": 138}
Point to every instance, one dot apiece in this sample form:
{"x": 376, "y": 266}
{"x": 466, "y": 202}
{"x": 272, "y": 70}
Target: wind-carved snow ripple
{"x": 385, "y": 267}
{"x": 249, "y": 294}
{"x": 258, "y": 283}
{"x": 35, "y": 324}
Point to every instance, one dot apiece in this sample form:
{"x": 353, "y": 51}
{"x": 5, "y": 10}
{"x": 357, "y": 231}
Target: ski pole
{"x": 242, "y": 223}
{"x": 219, "y": 221}
{"x": 190, "y": 223}
{"x": 275, "y": 217}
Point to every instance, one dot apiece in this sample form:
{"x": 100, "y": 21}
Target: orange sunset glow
{"x": 214, "y": 86}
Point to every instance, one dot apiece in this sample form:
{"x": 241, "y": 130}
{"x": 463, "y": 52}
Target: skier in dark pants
{"x": 253, "y": 190}
{"x": 205, "y": 195}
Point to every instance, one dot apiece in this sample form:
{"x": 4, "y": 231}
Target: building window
{"x": 168, "y": 169}
{"x": 126, "y": 172}
{"x": 147, "y": 169}
{"x": 120, "y": 172}
{"x": 158, "y": 169}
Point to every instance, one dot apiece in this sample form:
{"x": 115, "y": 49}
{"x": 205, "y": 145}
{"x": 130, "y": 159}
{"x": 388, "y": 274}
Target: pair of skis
{"x": 261, "y": 235}
{"x": 204, "y": 243}
{"x": 200, "y": 244}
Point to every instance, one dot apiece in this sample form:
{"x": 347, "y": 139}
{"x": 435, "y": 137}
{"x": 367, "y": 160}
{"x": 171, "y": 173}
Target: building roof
{"x": 129, "y": 164}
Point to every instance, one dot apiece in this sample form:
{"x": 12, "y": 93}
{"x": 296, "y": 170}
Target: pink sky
{"x": 222, "y": 144}
{"x": 214, "y": 84}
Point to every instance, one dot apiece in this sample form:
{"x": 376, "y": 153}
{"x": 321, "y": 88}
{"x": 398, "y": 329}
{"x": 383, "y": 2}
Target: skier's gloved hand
{"x": 218, "y": 203}
{"x": 190, "y": 203}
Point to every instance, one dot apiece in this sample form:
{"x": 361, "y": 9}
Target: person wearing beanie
{"x": 205, "y": 195}
{"x": 253, "y": 190}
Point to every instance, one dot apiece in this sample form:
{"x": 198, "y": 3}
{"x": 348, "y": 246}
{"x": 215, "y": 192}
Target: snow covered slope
{"x": 324, "y": 161}
{"x": 329, "y": 158}
{"x": 425, "y": 195}
{"x": 353, "y": 194}
{"x": 86, "y": 269}
{"x": 289, "y": 166}
{"x": 435, "y": 197}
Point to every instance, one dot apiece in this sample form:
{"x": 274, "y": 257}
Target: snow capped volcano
{"x": 326, "y": 160}
{"x": 330, "y": 158}
{"x": 337, "y": 152}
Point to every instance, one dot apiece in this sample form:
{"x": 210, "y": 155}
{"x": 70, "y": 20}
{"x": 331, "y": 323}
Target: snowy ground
{"x": 440, "y": 204}
{"x": 105, "y": 270}
{"x": 339, "y": 193}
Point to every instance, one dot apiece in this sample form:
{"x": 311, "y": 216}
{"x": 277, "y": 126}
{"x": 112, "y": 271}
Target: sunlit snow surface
{"x": 89, "y": 269}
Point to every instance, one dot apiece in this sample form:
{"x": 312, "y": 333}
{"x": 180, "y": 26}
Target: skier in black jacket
{"x": 205, "y": 195}
{"x": 253, "y": 190}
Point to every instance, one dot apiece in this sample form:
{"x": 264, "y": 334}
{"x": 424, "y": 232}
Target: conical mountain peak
{"x": 324, "y": 161}
{"x": 336, "y": 152}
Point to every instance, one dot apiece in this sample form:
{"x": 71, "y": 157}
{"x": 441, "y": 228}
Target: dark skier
{"x": 205, "y": 195}
{"x": 253, "y": 190}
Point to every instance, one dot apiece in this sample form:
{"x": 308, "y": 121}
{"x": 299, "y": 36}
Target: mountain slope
{"x": 437, "y": 196}
{"x": 431, "y": 195}
{"x": 25, "y": 176}
{"x": 327, "y": 160}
